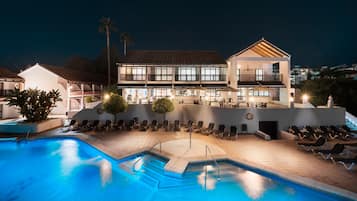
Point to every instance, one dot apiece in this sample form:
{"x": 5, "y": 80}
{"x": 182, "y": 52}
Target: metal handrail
{"x": 134, "y": 164}
{"x": 215, "y": 161}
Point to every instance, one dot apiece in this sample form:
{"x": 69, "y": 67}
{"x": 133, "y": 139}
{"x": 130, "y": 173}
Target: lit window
{"x": 259, "y": 74}
{"x": 187, "y": 74}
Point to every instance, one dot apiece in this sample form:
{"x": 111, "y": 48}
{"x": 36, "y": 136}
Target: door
{"x": 270, "y": 128}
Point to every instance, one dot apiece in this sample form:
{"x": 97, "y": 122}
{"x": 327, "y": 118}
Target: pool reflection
{"x": 69, "y": 156}
{"x": 253, "y": 184}
{"x": 105, "y": 171}
{"x": 207, "y": 182}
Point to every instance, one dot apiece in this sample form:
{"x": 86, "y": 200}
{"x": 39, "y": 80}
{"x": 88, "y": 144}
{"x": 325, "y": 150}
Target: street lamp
{"x": 305, "y": 98}
{"x": 106, "y": 97}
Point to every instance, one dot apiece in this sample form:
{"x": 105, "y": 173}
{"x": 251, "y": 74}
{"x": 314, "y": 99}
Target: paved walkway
{"x": 278, "y": 156}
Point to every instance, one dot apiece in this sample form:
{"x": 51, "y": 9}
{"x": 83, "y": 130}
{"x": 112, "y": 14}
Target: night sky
{"x": 313, "y": 32}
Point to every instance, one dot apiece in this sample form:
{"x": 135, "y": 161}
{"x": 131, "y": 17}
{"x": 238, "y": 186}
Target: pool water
{"x": 69, "y": 169}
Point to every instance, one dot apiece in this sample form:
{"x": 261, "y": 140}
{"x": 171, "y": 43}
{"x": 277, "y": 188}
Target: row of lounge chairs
{"x": 96, "y": 125}
{"x": 328, "y": 132}
{"x": 337, "y": 153}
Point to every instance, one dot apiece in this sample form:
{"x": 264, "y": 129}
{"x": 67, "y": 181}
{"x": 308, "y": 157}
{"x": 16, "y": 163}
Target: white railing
{"x": 351, "y": 118}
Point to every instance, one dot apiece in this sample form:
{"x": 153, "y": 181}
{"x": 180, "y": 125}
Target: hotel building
{"x": 259, "y": 73}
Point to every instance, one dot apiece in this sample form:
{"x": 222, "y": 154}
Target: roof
{"x": 172, "y": 57}
{"x": 74, "y": 75}
{"x": 6, "y": 73}
{"x": 265, "y": 48}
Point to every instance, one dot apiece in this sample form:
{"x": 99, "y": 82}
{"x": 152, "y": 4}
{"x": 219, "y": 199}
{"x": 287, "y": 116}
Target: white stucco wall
{"x": 40, "y": 78}
{"x": 228, "y": 116}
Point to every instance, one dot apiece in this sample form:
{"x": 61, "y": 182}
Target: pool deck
{"x": 281, "y": 157}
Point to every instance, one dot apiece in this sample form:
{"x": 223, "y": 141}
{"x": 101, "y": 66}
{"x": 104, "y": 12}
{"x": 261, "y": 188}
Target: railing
{"x": 263, "y": 77}
{"x": 134, "y": 164}
{"x": 85, "y": 92}
{"x": 209, "y": 152}
{"x": 5, "y": 92}
{"x": 133, "y": 77}
{"x": 160, "y": 77}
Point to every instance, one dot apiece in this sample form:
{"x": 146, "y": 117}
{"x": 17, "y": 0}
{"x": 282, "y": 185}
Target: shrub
{"x": 114, "y": 105}
{"x": 162, "y": 106}
{"x": 34, "y": 104}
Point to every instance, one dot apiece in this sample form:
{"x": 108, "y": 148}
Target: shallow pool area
{"x": 69, "y": 169}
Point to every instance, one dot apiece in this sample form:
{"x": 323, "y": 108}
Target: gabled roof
{"x": 73, "y": 75}
{"x": 265, "y": 48}
{"x": 6, "y": 73}
{"x": 172, "y": 57}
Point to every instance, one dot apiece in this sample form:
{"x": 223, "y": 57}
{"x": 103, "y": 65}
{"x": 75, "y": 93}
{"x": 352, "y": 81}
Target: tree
{"x": 107, "y": 25}
{"x": 34, "y": 104}
{"x": 162, "y": 106}
{"x": 114, "y": 104}
{"x": 127, "y": 40}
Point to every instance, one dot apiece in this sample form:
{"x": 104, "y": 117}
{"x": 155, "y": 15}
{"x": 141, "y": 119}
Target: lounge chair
{"x": 344, "y": 132}
{"x": 81, "y": 125}
{"x": 327, "y": 153}
{"x": 189, "y": 125}
{"x": 107, "y": 125}
{"x": 209, "y": 129}
{"x": 233, "y": 132}
{"x": 154, "y": 125}
{"x": 301, "y": 134}
{"x": 220, "y": 131}
{"x": 165, "y": 125}
{"x": 70, "y": 126}
{"x": 348, "y": 163}
{"x": 316, "y": 133}
{"x": 144, "y": 125}
{"x": 120, "y": 124}
{"x": 309, "y": 145}
{"x": 129, "y": 125}
{"x": 93, "y": 125}
{"x": 177, "y": 125}
{"x": 198, "y": 127}
{"x": 328, "y": 132}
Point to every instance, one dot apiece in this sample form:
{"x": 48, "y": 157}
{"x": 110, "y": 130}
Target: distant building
{"x": 300, "y": 74}
{"x": 8, "y": 81}
{"x": 74, "y": 86}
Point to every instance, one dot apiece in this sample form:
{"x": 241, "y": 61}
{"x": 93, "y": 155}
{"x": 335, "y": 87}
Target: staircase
{"x": 149, "y": 169}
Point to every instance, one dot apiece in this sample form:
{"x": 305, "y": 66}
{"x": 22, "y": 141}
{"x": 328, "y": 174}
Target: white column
{"x": 68, "y": 97}
{"x": 82, "y": 96}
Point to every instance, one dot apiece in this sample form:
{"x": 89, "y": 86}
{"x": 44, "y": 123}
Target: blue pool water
{"x": 69, "y": 169}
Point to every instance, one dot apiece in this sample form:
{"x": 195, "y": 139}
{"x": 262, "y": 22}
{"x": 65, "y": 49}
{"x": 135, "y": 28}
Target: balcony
{"x": 5, "y": 92}
{"x": 265, "y": 79}
{"x": 178, "y": 77}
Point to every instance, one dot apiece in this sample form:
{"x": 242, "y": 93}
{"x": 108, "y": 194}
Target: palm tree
{"x": 126, "y": 39}
{"x": 106, "y": 26}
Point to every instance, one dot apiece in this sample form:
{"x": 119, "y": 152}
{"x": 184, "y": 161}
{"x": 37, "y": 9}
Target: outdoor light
{"x": 106, "y": 97}
{"x": 291, "y": 99}
{"x": 305, "y": 98}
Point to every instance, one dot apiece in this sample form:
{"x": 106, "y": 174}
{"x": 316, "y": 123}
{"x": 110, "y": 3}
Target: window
{"x": 258, "y": 92}
{"x": 276, "y": 68}
{"x": 212, "y": 94}
{"x": 210, "y": 73}
{"x": 161, "y": 92}
{"x": 241, "y": 94}
{"x": 238, "y": 74}
{"x": 163, "y": 73}
{"x": 135, "y": 73}
{"x": 259, "y": 74}
{"x": 187, "y": 74}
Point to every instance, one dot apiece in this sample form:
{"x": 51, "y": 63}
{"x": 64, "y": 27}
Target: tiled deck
{"x": 279, "y": 156}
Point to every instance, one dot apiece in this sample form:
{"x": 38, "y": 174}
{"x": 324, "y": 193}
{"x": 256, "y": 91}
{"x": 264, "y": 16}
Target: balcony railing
{"x": 133, "y": 77}
{"x": 75, "y": 93}
{"x": 273, "y": 78}
{"x": 178, "y": 77}
{"x": 5, "y": 92}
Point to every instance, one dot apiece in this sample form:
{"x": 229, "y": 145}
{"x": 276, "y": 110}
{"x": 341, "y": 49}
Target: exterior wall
{"x": 249, "y": 61}
{"x": 227, "y": 116}
{"x": 9, "y": 84}
{"x": 39, "y": 77}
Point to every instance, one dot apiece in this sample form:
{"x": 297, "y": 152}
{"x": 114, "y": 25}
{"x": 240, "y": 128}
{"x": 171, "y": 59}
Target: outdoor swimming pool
{"x": 69, "y": 169}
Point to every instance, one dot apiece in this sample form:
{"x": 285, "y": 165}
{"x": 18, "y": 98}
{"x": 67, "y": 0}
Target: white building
{"x": 186, "y": 76}
{"x": 8, "y": 81}
{"x": 74, "y": 86}
{"x": 260, "y": 73}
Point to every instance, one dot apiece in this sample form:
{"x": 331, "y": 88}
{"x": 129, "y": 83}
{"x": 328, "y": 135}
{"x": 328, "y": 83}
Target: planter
{"x": 20, "y": 127}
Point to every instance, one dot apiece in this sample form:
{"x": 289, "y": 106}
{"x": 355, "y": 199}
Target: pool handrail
{"x": 209, "y": 152}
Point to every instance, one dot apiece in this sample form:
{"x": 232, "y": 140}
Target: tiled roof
{"x": 75, "y": 75}
{"x": 172, "y": 57}
{"x": 6, "y": 73}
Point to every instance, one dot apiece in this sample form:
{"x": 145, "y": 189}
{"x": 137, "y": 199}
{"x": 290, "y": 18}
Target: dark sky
{"x": 313, "y": 32}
